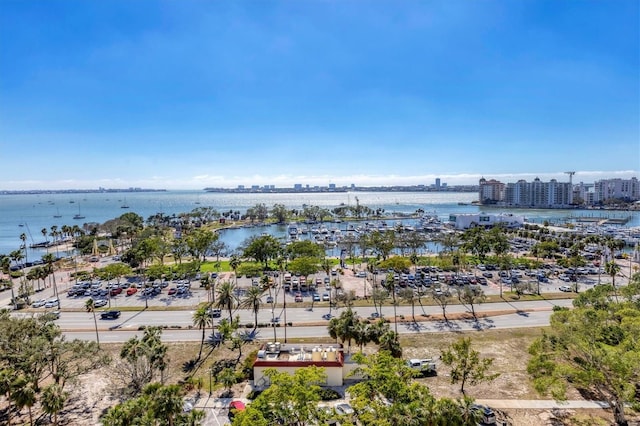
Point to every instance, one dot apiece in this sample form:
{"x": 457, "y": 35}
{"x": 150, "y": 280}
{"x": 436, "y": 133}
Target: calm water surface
{"x": 30, "y": 213}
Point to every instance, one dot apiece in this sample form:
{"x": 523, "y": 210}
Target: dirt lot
{"x": 93, "y": 394}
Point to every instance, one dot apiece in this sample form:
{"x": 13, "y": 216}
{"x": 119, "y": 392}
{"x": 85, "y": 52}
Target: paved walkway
{"x": 541, "y": 404}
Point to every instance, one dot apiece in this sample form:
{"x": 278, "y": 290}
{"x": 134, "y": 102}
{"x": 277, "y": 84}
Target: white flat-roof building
{"x": 471, "y": 220}
{"x": 286, "y": 357}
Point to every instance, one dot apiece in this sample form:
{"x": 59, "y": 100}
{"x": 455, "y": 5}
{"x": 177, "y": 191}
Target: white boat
{"x": 293, "y": 229}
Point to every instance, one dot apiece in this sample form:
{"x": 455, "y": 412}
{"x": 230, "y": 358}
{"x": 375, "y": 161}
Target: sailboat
{"x": 57, "y": 215}
{"x": 125, "y": 205}
{"x": 78, "y": 215}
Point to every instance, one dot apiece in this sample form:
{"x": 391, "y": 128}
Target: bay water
{"x": 30, "y": 214}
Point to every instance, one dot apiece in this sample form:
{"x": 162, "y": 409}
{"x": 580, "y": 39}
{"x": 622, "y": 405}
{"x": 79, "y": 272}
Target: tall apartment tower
{"x": 438, "y": 184}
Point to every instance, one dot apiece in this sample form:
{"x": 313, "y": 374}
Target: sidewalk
{"x": 541, "y": 404}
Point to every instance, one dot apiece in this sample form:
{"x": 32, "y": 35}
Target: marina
{"x": 400, "y": 211}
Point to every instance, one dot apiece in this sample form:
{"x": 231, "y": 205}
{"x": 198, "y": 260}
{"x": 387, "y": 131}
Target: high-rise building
{"x": 438, "y": 184}
{"x": 624, "y": 189}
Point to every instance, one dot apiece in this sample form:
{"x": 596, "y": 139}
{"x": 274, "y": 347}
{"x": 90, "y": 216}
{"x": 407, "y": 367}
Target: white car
{"x": 52, "y": 303}
{"x": 566, "y": 288}
{"x": 344, "y": 409}
{"x": 39, "y": 303}
{"x": 100, "y": 303}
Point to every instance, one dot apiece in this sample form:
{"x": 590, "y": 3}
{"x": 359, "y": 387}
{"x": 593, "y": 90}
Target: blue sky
{"x": 189, "y": 94}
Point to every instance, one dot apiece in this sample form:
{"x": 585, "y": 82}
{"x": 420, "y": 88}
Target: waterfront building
{"x": 491, "y": 191}
{"x": 621, "y": 189}
{"x": 472, "y": 220}
{"x": 552, "y": 194}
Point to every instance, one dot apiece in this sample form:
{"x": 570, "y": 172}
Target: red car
{"x": 298, "y": 297}
{"x": 172, "y": 291}
{"x": 116, "y": 291}
{"x": 131, "y": 291}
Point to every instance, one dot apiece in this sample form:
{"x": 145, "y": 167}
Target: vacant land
{"x": 94, "y": 393}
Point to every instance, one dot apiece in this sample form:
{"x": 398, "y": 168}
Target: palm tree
{"x": 25, "y": 396}
{"x": 234, "y": 263}
{"x": 253, "y": 301}
{"x": 53, "y": 399}
{"x": 8, "y": 378}
{"x": 390, "y": 286}
{"x": 202, "y": 319}
{"x": 227, "y": 378}
{"x": 90, "y": 306}
{"x": 23, "y": 238}
{"x": 226, "y": 297}
{"x": 166, "y": 401}
{"x": 49, "y": 260}
{"x": 612, "y": 269}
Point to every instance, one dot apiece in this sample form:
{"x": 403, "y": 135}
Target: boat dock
{"x": 600, "y": 220}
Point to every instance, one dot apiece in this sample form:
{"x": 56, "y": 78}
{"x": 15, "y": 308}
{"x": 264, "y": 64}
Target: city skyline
{"x": 188, "y": 95}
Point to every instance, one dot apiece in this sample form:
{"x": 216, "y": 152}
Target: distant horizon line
{"x": 199, "y": 183}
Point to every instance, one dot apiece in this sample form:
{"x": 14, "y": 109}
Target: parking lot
{"x": 318, "y": 288}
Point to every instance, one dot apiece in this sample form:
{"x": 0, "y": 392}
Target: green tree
{"x": 262, "y": 249}
{"x": 279, "y": 213}
{"x": 202, "y": 319}
{"x": 304, "y": 266}
{"x": 25, "y": 396}
{"x": 8, "y": 384}
{"x": 290, "y": 400}
{"x": 471, "y": 296}
{"x": 594, "y": 346}
{"x": 253, "y": 301}
{"x": 144, "y": 358}
{"x": 90, "y": 306}
{"x": 234, "y": 263}
{"x": 53, "y": 400}
{"x": 227, "y": 297}
{"x": 466, "y": 364}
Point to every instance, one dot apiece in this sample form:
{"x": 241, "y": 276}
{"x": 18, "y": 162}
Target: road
{"x": 307, "y": 323}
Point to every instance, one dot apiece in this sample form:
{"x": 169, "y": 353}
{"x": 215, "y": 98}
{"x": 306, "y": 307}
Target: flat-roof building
{"x": 286, "y": 357}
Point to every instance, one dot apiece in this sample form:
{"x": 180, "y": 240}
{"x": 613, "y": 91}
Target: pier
{"x": 600, "y": 220}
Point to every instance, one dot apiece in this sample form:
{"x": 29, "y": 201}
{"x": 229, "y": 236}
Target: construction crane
{"x": 570, "y": 176}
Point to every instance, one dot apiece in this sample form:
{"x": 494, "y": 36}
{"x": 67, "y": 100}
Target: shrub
{"x": 327, "y": 394}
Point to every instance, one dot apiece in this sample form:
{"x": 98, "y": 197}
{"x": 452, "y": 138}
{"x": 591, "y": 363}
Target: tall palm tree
{"x": 49, "y": 260}
{"x": 202, "y": 319}
{"x": 253, "y": 301}
{"x": 23, "y": 238}
{"x": 234, "y": 263}
{"x": 53, "y": 399}
{"x": 612, "y": 269}
{"x": 390, "y": 286}
{"x": 226, "y": 297}
{"x": 90, "y": 306}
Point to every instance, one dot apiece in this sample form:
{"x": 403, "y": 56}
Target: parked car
{"x": 110, "y": 315}
{"x": 269, "y": 299}
{"x": 316, "y": 297}
{"x": 487, "y": 417}
{"x": 116, "y": 291}
{"x": 39, "y": 304}
{"x": 344, "y": 409}
{"x": 52, "y": 303}
{"x": 565, "y": 288}
{"x": 100, "y": 303}
{"x": 172, "y": 291}
{"x": 298, "y": 297}
{"x": 131, "y": 291}
{"x": 325, "y": 297}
